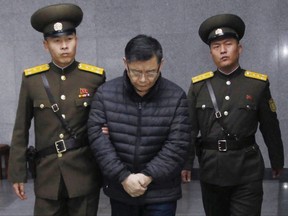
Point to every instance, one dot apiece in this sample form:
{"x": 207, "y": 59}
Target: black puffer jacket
{"x": 148, "y": 135}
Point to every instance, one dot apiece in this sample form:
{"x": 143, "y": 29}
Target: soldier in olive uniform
{"x": 67, "y": 179}
{"x": 226, "y": 106}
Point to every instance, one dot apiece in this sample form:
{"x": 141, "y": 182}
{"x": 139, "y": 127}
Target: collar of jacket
{"x": 133, "y": 94}
{"x": 68, "y": 69}
{"x": 236, "y": 73}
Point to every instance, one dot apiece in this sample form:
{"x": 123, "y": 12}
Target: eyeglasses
{"x": 149, "y": 74}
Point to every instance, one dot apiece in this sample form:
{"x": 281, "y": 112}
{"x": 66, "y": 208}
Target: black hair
{"x": 143, "y": 48}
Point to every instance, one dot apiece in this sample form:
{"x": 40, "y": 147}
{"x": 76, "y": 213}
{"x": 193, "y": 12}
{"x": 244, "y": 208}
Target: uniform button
{"x": 227, "y": 97}
{"x": 63, "y": 97}
{"x": 63, "y": 116}
{"x": 42, "y": 106}
{"x": 61, "y": 136}
{"x": 85, "y": 104}
{"x": 63, "y": 77}
{"x": 228, "y": 82}
{"x": 226, "y": 113}
{"x": 203, "y": 106}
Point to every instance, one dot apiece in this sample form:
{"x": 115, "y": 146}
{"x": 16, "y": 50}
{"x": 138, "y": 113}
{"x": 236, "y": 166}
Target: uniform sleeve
{"x": 269, "y": 127}
{"x": 169, "y": 161}
{"x": 102, "y": 148}
{"x": 20, "y": 137}
{"x": 103, "y": 80}
{"x": 194, "y": 129}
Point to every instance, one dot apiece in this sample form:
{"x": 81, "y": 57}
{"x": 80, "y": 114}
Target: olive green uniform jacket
{"x": 73, "y": 89}
{"x": 245, "y": 101}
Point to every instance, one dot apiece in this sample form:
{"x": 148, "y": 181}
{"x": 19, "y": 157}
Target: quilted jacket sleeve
{"x": 170, "y": 159}
{"x": 101, "y": 146}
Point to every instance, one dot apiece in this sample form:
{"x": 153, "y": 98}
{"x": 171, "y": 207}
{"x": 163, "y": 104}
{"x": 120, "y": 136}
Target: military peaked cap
{"x": 222, "y": 25}
{"x": 56, "y": 20}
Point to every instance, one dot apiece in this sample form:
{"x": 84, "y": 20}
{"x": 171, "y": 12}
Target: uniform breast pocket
{"x": 204, "y": 106}
{"x": 83, "y": 103}
{"x": 248, "y": 106}
{"x": 42, "y": 112}
{"x": 41, "y": 105}
{"x": 247, "y": 113}
{"x": 204, "y": 110}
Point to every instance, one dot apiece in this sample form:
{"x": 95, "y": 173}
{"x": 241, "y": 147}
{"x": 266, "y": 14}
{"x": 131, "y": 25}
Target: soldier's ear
{"x": 240, "y": 48}
{"x": 45, "y": 44}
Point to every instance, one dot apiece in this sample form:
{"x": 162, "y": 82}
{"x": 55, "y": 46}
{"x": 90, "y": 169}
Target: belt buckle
{"x": 60, "y": 147}
{"x": 222, "y": 145}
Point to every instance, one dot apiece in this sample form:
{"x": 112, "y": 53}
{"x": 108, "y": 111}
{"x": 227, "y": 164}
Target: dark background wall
{"x": 108, "y": 25}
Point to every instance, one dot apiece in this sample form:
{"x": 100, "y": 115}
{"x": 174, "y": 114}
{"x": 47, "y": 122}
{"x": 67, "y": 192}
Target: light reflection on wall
{"x": 285, "y": 51}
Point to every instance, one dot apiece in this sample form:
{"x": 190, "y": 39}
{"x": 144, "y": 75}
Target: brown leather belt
{"x": 62, "y": 146}
{"x": 224, "y": 145}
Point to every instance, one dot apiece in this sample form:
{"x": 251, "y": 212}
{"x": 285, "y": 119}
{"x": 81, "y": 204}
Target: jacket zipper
{"x": 138, "y": 138}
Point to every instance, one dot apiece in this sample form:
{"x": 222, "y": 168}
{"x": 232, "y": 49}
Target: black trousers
{"x": 238, "y": 200}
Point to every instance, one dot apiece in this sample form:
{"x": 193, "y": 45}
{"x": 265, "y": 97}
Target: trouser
{"x": 238, "y": 200}
{"x": 159, "y": 209}
{"x": 65, "y": 206}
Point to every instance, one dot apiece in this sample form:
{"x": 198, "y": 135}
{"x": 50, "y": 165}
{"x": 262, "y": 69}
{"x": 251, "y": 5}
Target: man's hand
{"x": 133, "y": 185}
{"x": 144, "y": 180}
{"x": 105, "y": 130}
{"x": 186, "y": 176}
{"x": 277, "y": 172}
{"x": 20, "y": 190}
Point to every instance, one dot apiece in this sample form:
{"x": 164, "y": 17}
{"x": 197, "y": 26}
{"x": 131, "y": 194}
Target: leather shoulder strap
{"x": 55, "y": 106}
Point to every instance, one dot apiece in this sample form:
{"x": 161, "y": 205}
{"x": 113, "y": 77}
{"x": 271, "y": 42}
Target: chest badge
{"x": 249, "y": 97}
{"x": 83, "y": 93}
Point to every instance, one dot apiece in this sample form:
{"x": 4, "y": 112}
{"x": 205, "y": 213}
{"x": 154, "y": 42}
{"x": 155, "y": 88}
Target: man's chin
{"x": 141, "y": 91}
{"x": 67, "y": 61}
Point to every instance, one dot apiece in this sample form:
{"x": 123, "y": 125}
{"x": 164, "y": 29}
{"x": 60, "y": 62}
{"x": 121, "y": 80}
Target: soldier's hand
{"x": 186, "y": 176}
{"x": 132, "y": 186}
{"x": 277, "y": 172}
{"x": 20, "y": 190}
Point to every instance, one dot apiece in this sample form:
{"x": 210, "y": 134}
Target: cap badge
{"x": 58, "y": 26}
{"x": 219, "y": 32}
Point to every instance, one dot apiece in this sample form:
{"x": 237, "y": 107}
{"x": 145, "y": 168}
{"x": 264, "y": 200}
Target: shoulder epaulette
{"x": 36, "y": 69}
{"x": 91, "y": 68}
{"x": 203, "y": 76}
{"x": 256, "y": 75}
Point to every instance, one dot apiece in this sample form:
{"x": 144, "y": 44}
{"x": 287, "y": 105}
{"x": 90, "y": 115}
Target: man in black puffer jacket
{"x": 149, "y": 134}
